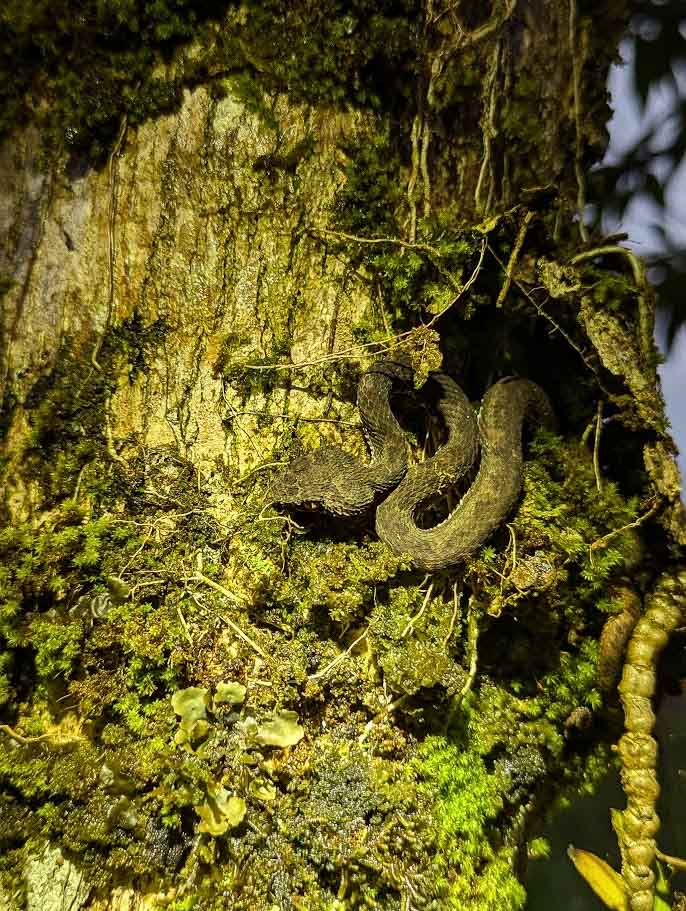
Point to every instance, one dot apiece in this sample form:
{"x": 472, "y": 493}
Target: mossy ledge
{"x": 415, "y": 727}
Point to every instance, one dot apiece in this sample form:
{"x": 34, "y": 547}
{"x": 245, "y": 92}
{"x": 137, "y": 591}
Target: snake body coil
{"x": 333, "y": 480}
{"x": 489, "y": 499}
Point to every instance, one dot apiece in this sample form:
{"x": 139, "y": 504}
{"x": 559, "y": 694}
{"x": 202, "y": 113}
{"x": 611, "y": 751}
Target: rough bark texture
{"x": 183, "y": 230}
{"x": 199, "y": 307}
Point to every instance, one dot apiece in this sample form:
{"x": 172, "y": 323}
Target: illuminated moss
{"x": 282, "y": 730}
{"x": 117, "y": 60}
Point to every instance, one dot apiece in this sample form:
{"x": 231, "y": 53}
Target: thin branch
{"x": 75, "y": 497}
{"x": 578, "y": 152}
{"x": 488, "y": 129}
{"x": 111, "y": 451}
{"x": 184, "y": 624}
{"x": 514, "y": 256}
{"x": 411, "y": 622}
{"x": 197, "y": 576}
{"x": 289, "y": 417}
{"x": 513, "y": 537}
{"x": 254, "y": 471}
{"x": 152, "y": 527}
{"x": 337, "y": 660}
{"x": 234, "y": 417}
{"x": 636, "y": 266}
{"x": 605, "y": 540}
{"x": 645, "y": 313}
{"x": 356, "y": 238}
{"x": 596, "y": 447}
{"x": 412, "y": 183}
{"x": 558, "y": 328}
{"x": 488, "y": 27}
{"x": 472, "y": 650}
{"x": 20, "y": 738}
{"x": 677, "y": 863}
{"x": 412, "y": 245}
{"x": 470, "y": 281}
{"x": 453, "y": 619}
{"x": 111, "y": 225}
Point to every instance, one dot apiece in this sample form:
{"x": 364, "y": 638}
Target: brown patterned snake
{"x": 333, "y": 480}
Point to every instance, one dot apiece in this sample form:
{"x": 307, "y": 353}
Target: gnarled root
{"x": 639, "y": 823}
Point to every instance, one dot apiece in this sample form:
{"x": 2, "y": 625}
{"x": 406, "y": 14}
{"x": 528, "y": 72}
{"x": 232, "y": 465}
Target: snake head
{"x": 326, "y": 479}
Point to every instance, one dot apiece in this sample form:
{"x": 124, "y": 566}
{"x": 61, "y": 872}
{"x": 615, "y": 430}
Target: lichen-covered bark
{"x": 186, "y": 312}
{"x": 185, "y": 228}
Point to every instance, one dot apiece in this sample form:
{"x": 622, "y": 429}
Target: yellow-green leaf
{"x": 262, "y": 790}
{"x": 191, "y": 703}
{"x": 232, "y": 693}
{"x": 282, "y": 730}
{"x": 662, "y": 891}
{"x": 607, "y": 884}
{"x": 220, "y": 812}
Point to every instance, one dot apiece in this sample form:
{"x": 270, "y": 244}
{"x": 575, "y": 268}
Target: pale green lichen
{"x": 220, "y": 812}
{"x": 282, "y": 730}
{"x": 231, "y": 693}
{"x": 191, "y": 704}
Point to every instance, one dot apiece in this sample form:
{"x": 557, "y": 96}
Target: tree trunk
{"x": 206, "y": 701}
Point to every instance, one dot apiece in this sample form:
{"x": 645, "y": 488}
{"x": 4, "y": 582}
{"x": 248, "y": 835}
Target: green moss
{"x": 432, "y": 808}
{"x": 412, "y": 281}
{"x": 41, "y": 577}
{"x": 499, "y": 749}
{"x": 104, "y": 65}
{"x": 95, "y": 67}
{"x": 412, "y": 746}
{"x": 67, "y": 412}
{"x": 474, "y": 873}
{"x": 569, "y": 539}
{"x": 520, "y": 117}
{"x": 343, "y": 629}
{"x": 412, "y": 645}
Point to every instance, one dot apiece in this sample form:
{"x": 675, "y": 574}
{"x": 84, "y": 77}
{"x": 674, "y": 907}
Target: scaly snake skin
{"x": 333, "y": 480}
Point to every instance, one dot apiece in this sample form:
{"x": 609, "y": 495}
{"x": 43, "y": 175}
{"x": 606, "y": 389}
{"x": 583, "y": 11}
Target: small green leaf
{"x": 662, "y": 900}
{"x": 191, "y": 703}
{"x": 282, "y": 730}
{"x": 230, "y": 693}
{"x": 191, "y": 732}
{"x": 220, "y": 812}
{"x": 118, "y": 589}
{"x": 262, "y": 789}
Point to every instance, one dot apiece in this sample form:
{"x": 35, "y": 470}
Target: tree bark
{"x": 188, "y": 315}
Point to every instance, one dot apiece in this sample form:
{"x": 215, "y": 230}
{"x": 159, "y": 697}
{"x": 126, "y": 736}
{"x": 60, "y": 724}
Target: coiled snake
{"x": 331, "y": 479}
